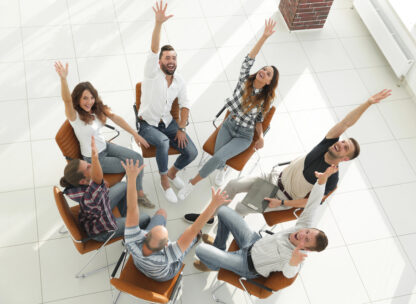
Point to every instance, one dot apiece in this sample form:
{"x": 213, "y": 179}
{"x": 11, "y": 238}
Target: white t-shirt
{"x": 157, "y": 98}
{"x": 84, "y": 132}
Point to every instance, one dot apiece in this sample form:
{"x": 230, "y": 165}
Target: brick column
{"x": 305, "y": 14}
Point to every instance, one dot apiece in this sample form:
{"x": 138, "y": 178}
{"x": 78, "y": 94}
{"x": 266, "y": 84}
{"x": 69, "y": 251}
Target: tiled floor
{"x": 324, "y": 74}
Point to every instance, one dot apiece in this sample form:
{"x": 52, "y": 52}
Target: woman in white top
{"x": 87, "y": 115}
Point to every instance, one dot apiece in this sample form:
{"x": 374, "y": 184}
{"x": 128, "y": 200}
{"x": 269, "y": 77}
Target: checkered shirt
{"x": 233, "y": 104}
{"x": 95, "y": 211}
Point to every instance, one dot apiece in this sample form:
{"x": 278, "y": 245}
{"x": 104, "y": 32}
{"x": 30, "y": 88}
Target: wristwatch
{"x": 183, "y": 129}
{"x": 282, "y": 203}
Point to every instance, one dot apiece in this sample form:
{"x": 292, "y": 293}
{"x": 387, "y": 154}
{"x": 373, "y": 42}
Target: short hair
{"x": 162, "y": 243}
{"x": 71, "y": 176}
{"x": 166, "y": 47}
{"x": 356, "y": 148}
{"x": 321, "y": 241}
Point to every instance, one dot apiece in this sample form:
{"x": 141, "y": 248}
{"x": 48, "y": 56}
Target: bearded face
{"x": 168, "y": 62}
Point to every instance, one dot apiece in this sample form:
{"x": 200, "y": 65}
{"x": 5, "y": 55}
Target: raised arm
{"x": 268, "y": 31}
{"x": 96, "y": 171}
{"x": 66, "y": 94}
{"x": 355, "y": 114}
{"x": 218, "y": 198}
{"x": 160, "y": 18}
{"x": 132, "y": 171}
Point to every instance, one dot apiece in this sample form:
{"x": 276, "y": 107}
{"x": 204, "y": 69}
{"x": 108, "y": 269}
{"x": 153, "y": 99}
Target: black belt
{"x": 250, "y": 260}
{"x": 280, "y": 185}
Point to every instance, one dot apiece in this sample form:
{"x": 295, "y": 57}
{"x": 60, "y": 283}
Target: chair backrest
{"x": 266, "y": 122}
{"x": 68, "y": 142}
{"x": 70, "y": 221}
{"x": 175, "y": 105}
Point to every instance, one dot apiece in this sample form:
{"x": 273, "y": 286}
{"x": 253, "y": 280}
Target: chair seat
{"x": 151, "y": 151}
{"x": 90, "y": 245}
{"x": 276, "y": 217}
{"x": 113, "y": 178}
{"x": 275, "y": 281}
{"x": 134, "y": 282}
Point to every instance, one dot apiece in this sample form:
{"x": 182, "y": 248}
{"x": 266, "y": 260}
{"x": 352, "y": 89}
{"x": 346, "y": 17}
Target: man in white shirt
{"x": 160, "y": 87}
{"x": 257, "y": 256}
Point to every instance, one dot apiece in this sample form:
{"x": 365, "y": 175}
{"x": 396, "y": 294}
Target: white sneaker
{"x": 177, "y": 182}
{"x": 170, "y": 195}
{"x": 185, "y": 191}
{"x": 220, "y": 177}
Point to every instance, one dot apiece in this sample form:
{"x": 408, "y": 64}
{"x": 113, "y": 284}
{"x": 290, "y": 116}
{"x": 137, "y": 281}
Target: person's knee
{"x": 162, "y": 144}
{"x": 191, "y": 152}
{"x": 162, "y": 212}
{"x": 222, "y": 211}
{"x": 200, "y": 250}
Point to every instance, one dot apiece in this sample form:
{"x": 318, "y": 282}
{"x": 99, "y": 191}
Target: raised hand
{"x": 220, "y": 197}
{"x": 297, "y": 256}
{"x": 160, "y": 12}
{"x": 269, "y": 27}
{"x": 132, "y": 169}
{"x": 379, "y": 96}
{"x": 61, "y": 69}
{"x": 273, "y": 202}
{"x": 323, "y": 177}
{"x": 94, "y": 152}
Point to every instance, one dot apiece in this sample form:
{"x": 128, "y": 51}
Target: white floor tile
{"x": 128, "y": 11}
{"x": 379, "y": 78}
{"x": 100, "y": 297}
{"x": 410, "y": 299}
{"x": 343, "y": 87}
{"x": 137, "y": 36}
{"x": 282, "y": 33}
{"x": 12, "y": 81}
{"x": 232, "y": 58}
{"x": 400, "y": 115}
{"x": 9, "y": 13}
{"x": 384, "y": 269}
{"x": 289, "y": 58}
{"x": 185, "y": 9}
{"x": 43, "y": 12}
{"x": 352, "y": 211}
{"x": 228, "y": 8}
{"x": 363, "y": 52}
{"x": 97, "y": 40}
{"x": 327, "y": 32}
{"x": 341, "y": 4}
{"x": 43, "y": 81}
{"x": 338, "y": 281}
{"x": 371, "y": 127}
{"x": 121, "y": 103}
{"x": 395, "y": 168}
{"x": 11, "y": 46}
{"x": 12, "y": 260}
{"x": 18, "y": 218}
{"x": 231, "y": 31}
{"x": 408, "y": 243}
{"x": 19, "y": 164}
{"x": 13, "y": 114}
{"x": 302, "y": 92}
{"x": 317, "y": 52}
{"x": 82, "y": 12}
{"x": 60, "y": 258}
{"x": 108, "y": 73}
{"x": 352, "y": 177}
{"x": 48, "y": 162}
{"x": 266, "y": 6}
{"x": 347, "y": 23}
{"x": 186, "y": 34}
{"x": 409, "y": 149}
{"x": 397, "y": 202}
{"x": 135, "y": 64}
{"x": 47, "y": 42}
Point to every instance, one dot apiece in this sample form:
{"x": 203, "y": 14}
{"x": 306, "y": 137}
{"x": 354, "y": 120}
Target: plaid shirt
{"x": 233, "y": 104}
{"x": 95, "y": 215}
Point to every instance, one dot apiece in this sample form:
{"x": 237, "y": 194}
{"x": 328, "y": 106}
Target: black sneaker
{"x": 191, "y": 218}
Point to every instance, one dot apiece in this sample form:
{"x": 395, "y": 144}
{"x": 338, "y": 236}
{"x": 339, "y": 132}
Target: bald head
{"x": 157, "y": 238}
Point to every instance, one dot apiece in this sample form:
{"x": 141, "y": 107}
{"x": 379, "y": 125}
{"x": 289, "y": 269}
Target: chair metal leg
{"x": 203, "y": 159}
{"x": 63, "y": 230}
{"x": 214, "y": 290}
{"x": 83, "y": 275}
{"x": 245, "y": 290}
{"x": 117, "y": 296}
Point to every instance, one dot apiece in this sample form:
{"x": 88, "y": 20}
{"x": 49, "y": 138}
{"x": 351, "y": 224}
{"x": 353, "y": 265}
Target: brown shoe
{"x": 207, "y": 239}
{"x": 201, "y": 266}
{"x": 145, "y": 202}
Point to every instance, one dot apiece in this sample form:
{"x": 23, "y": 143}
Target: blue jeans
{"x": 110, "y": 161}
{"x": 215, "y": 257}
{"x": 117, "y": 195}
{"x": 162, "y": 137}
{"x": 232, "y": 139}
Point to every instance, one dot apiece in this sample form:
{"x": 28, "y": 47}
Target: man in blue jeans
{"x": 160, "y": 87}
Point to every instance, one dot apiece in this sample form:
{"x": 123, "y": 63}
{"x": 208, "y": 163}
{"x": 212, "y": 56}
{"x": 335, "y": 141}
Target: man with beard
{"x": 295, "y": 182}
{"x": 160, "y": 87}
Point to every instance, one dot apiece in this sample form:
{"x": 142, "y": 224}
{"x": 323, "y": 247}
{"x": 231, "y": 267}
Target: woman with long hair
{"x": 87, "y": 115}
{"x": 250, "y": 102}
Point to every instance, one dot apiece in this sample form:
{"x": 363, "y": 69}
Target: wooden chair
{"x": 151, "y": 151}
{"x": 259, "y": 287}
{"x": 81, "y": 241}
{"x": 135, "y": 283}
{"x": 70, "y": 148}
{"x": 237, "y": 162}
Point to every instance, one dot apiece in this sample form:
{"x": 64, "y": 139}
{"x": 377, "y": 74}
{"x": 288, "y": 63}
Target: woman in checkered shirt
{"x": 251, "y": 99}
